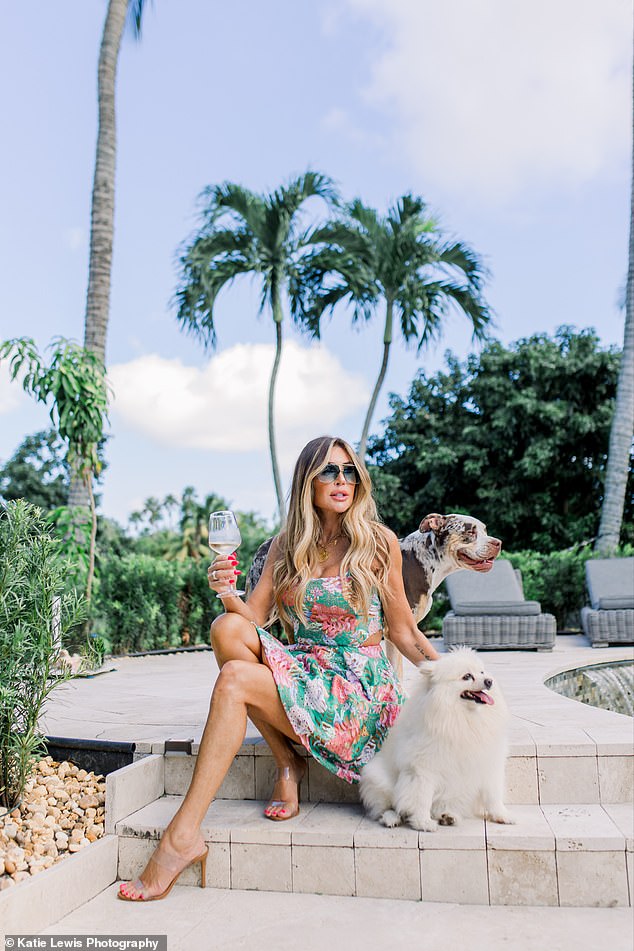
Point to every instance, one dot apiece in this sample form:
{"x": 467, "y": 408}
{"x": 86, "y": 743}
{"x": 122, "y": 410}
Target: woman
{"x": 330, "y": 577}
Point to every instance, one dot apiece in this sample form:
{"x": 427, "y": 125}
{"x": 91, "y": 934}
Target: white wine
{"x": 224, "y": 538}
{"x": 223, "y": 548}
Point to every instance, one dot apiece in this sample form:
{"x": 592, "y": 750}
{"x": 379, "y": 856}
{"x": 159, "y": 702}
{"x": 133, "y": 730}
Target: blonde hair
{"x": 365, "y": 565}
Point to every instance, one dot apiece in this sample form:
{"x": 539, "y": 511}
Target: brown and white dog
{"x": 441, "y": 545}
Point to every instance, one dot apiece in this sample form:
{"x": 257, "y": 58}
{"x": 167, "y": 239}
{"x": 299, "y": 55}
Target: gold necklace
{"x": 323, "y": 551}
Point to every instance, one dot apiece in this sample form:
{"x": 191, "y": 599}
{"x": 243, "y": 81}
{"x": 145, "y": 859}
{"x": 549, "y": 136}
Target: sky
{"x": 512, "y": 121}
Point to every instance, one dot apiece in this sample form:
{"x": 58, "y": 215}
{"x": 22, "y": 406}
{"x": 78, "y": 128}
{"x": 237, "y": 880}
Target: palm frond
{"x": 367, "y": 217}
{"x": 239, "y": 204}
{"x": 135, "y": 16}
{"x": 461, "y": 256}
{"x": 346, "y": 237}
{"x": 431, "y": 302}
{"x": 311, "y": 184}
{"x": 213, "y": 261}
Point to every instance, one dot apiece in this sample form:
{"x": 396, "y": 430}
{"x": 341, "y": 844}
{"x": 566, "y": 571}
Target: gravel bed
{"x": 62, "y": 811}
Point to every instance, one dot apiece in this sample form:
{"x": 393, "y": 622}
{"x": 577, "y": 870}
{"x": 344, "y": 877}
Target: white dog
{"x": 444, "y": 758}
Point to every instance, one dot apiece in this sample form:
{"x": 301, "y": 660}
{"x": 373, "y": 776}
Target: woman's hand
{"x": 222, "y": 573}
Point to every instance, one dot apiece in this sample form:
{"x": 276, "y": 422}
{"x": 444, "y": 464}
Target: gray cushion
{"x": 609, "y": 578}
{"x": 498, "y": 584}
{"x": 616, "y": 604}
{"x": 508, "y": 608}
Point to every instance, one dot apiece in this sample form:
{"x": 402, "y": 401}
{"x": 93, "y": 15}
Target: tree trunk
{"x": 387, "y": 340}
{"x": 622, "y": 422}
{"x": 102, "y": 210}
{"x": 93, "y": 537}
{"x": 277, "y": 317}
{"x": 78, "y": 492}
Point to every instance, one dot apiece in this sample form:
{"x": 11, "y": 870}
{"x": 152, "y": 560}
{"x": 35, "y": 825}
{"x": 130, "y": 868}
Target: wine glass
{"x": 224, "y": 538}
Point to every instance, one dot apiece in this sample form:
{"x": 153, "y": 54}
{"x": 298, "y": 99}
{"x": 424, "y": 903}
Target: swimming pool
{"x": 609, "y": 686}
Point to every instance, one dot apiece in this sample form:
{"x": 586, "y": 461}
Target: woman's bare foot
{"x": 284, "y": 802}
{"x": 172, "y": 855}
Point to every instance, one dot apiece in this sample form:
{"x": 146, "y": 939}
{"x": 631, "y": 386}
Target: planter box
{"x": 41, "y": 900}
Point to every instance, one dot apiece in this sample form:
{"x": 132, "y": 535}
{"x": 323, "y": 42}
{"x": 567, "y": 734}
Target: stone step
{"x": 547, "y": 772}
{"x": 573, "y": 854}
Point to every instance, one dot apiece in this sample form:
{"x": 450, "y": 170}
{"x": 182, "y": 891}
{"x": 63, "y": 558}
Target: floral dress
{"x": 340, "y": 697}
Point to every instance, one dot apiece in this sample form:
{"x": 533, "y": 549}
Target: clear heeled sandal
{"x": 284, "y": 772}
{"x": 172, "y": 863}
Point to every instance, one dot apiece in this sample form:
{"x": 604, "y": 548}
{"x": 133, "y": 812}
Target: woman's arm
{"x": 259, "y": 603}
{"x": 403, "y": 631}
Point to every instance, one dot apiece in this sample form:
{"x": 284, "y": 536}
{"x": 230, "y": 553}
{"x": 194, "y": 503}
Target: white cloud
{"x": 492, "y": 95}
{"x": 11, "y": 393}
{"x": 223, "y": 405}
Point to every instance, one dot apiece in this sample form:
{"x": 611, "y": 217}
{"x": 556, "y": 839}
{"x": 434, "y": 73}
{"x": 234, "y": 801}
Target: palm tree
{"x": 401, "y": 260}
{"x": 248, "y": 233}
{"x": 103, "y": 191}
{"x": 193, "y": 540}
{"x": 620, "y": 446}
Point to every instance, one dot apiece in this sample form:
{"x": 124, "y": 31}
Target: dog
{"x": 443, "y": 759}
{"x": 441, "y": 544}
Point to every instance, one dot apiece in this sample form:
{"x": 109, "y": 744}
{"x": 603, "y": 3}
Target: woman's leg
{"x": 233, "y": 638}
{"x": 241, "y": 686}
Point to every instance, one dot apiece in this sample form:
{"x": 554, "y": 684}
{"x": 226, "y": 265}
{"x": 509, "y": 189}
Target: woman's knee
{"x": 231, "y": 679}
{"x": 226, "y": 626}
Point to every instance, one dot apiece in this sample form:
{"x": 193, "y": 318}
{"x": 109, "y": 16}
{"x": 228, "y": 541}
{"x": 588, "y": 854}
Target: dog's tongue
{"x": 484, "y": 697}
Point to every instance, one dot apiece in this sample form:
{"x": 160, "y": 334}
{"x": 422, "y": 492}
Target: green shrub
{"x": 139, "y": 602}
{"x": 31, "y": 580}
{"x": 145, "y": 603}
{"x": 198, "y": 605}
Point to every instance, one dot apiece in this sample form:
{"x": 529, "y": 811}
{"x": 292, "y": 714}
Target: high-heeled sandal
{"x": 171, "y": 863}
{"x": 284, "y": 772}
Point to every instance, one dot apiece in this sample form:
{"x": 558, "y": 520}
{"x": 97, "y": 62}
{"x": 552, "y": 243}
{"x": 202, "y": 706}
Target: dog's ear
{"x": 432, "y": 523}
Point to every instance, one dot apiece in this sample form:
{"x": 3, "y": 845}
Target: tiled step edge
{"x": 132, "y": 787}
{"x": 40, "y": 901}
{"x": 548, "y": 775}
{"x": 575, "y": 855}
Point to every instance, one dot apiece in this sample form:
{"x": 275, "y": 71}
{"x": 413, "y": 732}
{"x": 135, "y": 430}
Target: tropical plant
{"x": 190, "y": 542}
{"x": 516, "y": 436}
{"x": 193, "y": 542}
{"x": 401, "y": 260}
{"x": 103, "y": 195}
{"x": 74, "y": 384}
{"x": 248, "y": 233}
{"x": 37, "y": 471}
{"x": 35, "y": 615}
{"x": 622, "y": 428}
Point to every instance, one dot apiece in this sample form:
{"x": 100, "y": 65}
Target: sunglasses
{"x": 330, "y": 472}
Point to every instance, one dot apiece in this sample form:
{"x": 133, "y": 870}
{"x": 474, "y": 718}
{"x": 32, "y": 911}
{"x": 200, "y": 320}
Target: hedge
{"x": 146, "y": 603}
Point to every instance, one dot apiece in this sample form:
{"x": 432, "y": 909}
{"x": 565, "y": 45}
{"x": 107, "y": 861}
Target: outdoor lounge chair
{"x": 610, "y": 583}
{"x": 489, "y": 612}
